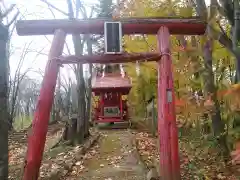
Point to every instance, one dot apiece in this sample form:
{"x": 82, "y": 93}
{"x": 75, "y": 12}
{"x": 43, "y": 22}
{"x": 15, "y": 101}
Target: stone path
{"x": 116, "y": 159}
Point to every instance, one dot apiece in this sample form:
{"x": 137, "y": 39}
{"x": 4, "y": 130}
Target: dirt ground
{"x": 18, "y": 148}
{"x": 115, "y": 158}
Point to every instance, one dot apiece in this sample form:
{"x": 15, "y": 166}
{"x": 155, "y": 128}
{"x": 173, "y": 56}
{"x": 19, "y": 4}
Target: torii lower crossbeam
{"x": 163, "y": 27}
{"x": 110, "y": 58}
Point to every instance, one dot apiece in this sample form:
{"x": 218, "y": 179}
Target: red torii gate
{"x": 163, "y": 27}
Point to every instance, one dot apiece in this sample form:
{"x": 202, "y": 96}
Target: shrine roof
{"x": 111, "y": 82}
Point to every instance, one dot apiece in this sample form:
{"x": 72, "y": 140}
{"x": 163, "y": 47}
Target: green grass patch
{"x": 22, "y": 122}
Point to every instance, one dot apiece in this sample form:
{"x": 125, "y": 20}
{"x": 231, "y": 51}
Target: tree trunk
{"x": 81, "y": 105}
{"x": 210, "y": 90}
{"x": 10, "y": 121}
{"x": 70, "y": 131}
{"x": 4, "y": 124}
{"x": 58, "y": 99}
{"x": 236, "y": 38}
{"x": 209, "y": 86}
{"x": 78, "y": 48}
{"x": 89, "y": 91}
{"x": 81, "y": 90}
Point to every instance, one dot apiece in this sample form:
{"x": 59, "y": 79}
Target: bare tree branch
{"x": 68, "y": 49}
{"x": 91, "y": 13}
{"x": 13, "y": 19}
{"x": 54, "y": 7}
{"x": 79, "y": 6}
{"x": 9, "y": 10}
{"x": 47, "y": 39}
{"x": 18, "y": 77}
{"x": 70, "y": 9}
{"x": 53, "y": 14}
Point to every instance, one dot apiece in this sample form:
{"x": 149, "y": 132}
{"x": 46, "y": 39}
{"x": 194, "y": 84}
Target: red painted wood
{"x": 163, "y": 122}
{"x": 187, "y": 26}
{"x": 109, "y": 119}
{"x": 117, "y": 117}
{"x": 37, "y": 137}
{"x": 170, "y": 113}
{"x": 110, "y": 58}
{"x": 174, "y": 138}
{"x": 110, "y": 99}
{"x": 121, "y": 105}
{"x": 121, "y": 83}
{"x": 102, "y": 103}
{"x": 123, "y": 90}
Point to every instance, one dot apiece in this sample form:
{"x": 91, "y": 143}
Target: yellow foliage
{"x": 187, "y": 61}
{"x": 232, "y": 98}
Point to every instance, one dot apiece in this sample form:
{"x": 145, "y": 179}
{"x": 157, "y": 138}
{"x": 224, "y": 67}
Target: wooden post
{"x": 169, "y": 155}
{"x": 153, "y": 119}
{"x": 163, "y": 123}
{"x": 37, "y": 137}
{"x": 121, "y": 105}
{"x": 102, "y": 104}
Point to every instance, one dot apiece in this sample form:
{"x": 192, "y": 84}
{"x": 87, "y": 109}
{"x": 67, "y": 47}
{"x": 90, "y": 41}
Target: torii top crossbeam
{"x": 151, "y": 25}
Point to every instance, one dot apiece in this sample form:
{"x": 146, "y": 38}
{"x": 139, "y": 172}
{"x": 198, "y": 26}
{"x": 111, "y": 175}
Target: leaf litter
{"x": 197, "y": 163}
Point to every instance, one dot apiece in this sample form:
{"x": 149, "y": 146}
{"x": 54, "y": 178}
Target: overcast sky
{"x": 35, "y": 9}
{"x": 35, "y": 61}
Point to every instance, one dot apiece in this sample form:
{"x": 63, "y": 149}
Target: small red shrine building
{"x": 110, "y": 87}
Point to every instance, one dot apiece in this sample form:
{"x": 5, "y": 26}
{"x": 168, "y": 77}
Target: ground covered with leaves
{"x": 105, "y": 155}
{"x": 113, "y": 158}
{"x": 199, "y": 160}
{"x": 18, "y": 147}
{"x": 117, "y": 154}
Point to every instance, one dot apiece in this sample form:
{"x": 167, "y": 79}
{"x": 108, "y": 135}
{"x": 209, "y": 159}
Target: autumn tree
{"x": 196, "y": 61}
{"x": 229, "y": 10}
{"x": 218, "y": 14}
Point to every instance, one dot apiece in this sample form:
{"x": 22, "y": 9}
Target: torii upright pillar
{"x": 37, "y": 137}
{"x": 167, "y": 130}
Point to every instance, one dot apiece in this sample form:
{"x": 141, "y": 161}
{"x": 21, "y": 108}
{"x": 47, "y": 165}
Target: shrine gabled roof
{"x": 110, "y": 82}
